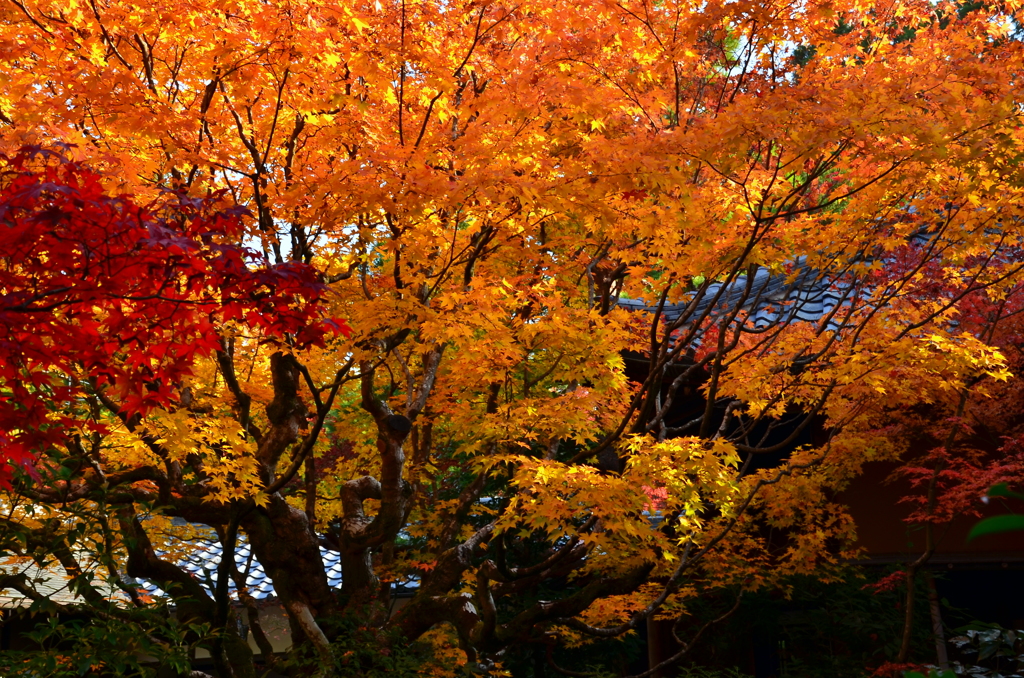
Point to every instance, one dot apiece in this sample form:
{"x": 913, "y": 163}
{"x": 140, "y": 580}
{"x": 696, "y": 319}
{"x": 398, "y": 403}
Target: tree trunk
{"x": 941, "y": 657}
{"x": 283, "y": 542}
{"x": 908, "y": 617}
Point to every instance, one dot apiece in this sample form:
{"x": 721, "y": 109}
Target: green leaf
{"x": 1003, "y": 490}
{"x": 44, "y": 605}
{"x": 84, "y": 665}
{"x": 996, "y": 525}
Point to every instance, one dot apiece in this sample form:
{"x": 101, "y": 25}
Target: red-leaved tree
{"x": 103, "y": 291}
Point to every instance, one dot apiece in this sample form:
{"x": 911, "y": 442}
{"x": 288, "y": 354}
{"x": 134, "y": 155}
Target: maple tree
{"x": 481, "y": 186}
{"x": 962, "y": 447}
{"x": 101, "y": 290}
{"x": 107, "y": 306}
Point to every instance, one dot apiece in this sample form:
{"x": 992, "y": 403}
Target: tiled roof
{"x": 800, "y": 294}
{"x": 203, "y": 561}
{"x": 50, "y": 582}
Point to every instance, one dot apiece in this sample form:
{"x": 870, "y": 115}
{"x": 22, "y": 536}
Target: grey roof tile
{"x": 203, "y": 562}
{"x": 800, "y": 294}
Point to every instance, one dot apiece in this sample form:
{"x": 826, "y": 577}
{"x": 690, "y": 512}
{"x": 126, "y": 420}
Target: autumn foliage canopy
{"x": 573, "y": 245}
